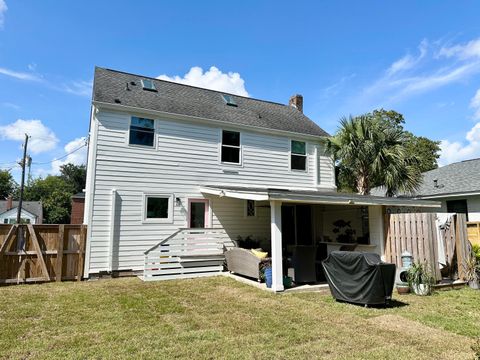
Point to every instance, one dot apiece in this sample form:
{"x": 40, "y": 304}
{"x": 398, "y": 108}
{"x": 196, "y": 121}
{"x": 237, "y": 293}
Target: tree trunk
{"x": 363, "y": 187}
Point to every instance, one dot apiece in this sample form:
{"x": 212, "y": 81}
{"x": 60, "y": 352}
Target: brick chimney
{"x": 9, "y": 202}
{"x": 297, "y": 102}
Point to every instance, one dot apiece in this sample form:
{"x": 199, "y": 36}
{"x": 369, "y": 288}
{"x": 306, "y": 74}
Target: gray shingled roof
{"x": 175, "y": 98}
{"x": 456, "y": 178}
{"x": 34, "y": 207}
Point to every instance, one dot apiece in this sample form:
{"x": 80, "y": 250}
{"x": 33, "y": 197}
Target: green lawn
{"x": 221, "y": 318}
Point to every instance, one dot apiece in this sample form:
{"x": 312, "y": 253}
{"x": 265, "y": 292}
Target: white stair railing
{"x": 187, "y": 253}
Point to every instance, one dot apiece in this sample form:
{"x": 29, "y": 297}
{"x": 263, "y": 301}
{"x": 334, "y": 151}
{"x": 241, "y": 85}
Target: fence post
{"x": 81, "y": 252}
{"x": 59, "y": 264}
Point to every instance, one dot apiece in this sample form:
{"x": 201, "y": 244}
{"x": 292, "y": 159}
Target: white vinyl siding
{"x": 185, "y": 157}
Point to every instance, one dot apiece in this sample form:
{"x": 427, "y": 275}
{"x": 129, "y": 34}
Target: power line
{"x": 60, "y": 158}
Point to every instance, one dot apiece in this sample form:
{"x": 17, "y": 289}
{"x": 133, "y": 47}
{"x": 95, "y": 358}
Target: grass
{"x": 221, "y": 318}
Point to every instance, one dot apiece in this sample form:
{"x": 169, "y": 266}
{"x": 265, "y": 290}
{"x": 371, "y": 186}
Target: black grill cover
{"x": 360, "y": 278}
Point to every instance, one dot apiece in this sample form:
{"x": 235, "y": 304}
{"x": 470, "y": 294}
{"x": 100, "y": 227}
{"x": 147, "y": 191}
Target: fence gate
{"x": 417, "y": 234}
{"x": 37, "y": 253}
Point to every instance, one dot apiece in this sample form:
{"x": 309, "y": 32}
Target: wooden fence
{"x": 417, "y": 234}
{"x": 473, "y": 230}
{"x": 38, "y": 253}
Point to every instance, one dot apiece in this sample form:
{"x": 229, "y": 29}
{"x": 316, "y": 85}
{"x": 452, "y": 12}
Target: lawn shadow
{"x": 392, "y": 304}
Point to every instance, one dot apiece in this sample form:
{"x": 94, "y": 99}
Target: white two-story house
{"x": 164, "y": 156}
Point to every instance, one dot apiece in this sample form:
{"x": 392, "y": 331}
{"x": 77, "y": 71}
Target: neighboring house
{"x": 78, "y": 206}
{"x": 456, "y": 186}
{"x": 164, "y": 156}
{"x": 32, "y": 212}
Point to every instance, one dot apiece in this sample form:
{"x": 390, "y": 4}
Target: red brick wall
{"x": 78, "y": 206}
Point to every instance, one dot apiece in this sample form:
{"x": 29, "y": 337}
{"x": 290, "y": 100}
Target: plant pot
{"x": 474, "y": 284}
{"x": 421, "y": 289}
{"x": 403, "y": 289}
{"x": 268, "y": 277}
{"x": 287, "y": 282}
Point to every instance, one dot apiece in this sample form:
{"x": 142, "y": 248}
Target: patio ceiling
{"x": 311, "y": 197}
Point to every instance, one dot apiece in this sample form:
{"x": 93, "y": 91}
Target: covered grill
{"x": 360, "y": 278}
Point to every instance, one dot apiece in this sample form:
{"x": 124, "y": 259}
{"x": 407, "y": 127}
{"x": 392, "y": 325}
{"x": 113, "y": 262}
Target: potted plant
{"x": 420, "y": 278}
{"x": 472, "y": 272}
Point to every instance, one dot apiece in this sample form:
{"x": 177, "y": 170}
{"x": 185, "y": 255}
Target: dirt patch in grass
{"x": 450, "y": 346}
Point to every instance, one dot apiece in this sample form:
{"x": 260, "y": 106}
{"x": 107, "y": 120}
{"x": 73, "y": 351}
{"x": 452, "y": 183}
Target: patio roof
{"x": 311, "y": 197}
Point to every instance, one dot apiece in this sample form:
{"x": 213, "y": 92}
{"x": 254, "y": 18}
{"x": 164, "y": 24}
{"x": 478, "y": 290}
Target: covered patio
{"x": 307, "y": 225}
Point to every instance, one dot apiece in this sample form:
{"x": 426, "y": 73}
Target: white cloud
{"x": 475, "y": 105}
{"x": 408, "y": 61}
{"x": 213, "y": 79}
{"x": 462, "y": 51}
{"x": 81, "y": 88}
{"x": 429, "y": 70}
{"x": 457, "y": 151}
{"x": 3, "y": 10}
{"x": 76, "y": 154}
{"x": 42, "y": 138}
{"x": 20, "y": 75}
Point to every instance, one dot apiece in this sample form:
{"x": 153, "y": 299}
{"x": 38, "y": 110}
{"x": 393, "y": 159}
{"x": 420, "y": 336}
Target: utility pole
{"x": 22, "y": 181}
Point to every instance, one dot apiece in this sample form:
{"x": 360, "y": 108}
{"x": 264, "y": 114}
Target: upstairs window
{"x": 230, "y": 147}
{"x": 298, "y": 155}
{"x": 148, "y": 84}
{"x": 142, "y": 132}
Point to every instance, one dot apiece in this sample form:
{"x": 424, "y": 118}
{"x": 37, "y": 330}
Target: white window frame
{"x": 240, "y": 147}
{"x": 154, "y": 145}
{"x": 245, "y": 214}
{"x": 290, "y": 154}
{"x": 167, "y": 220}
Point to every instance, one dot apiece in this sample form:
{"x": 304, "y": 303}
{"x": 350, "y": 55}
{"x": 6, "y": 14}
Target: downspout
{"x": 113, "y": 206}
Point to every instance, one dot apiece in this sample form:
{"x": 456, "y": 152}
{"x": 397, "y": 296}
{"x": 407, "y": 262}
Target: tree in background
{"x": 373, "y": 152}
{"x": 74, "y": 175}
{"x": 425, "y": 151}
{"x": 7, "y": 184}
{"x": 55, "y": 192}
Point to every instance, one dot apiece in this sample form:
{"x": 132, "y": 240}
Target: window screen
{"x": 298, "y": 157}
{"x": 157, "y": 207}
{"x": 231, "y": 147}
{"x": 142, "y": 132}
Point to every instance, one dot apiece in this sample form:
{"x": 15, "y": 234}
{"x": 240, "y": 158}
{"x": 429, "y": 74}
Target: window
{"x": 230, "y": 147}
{"x": 229, "y": 100}
{"x": 142, "y": 131}
{"x": 147, "y": 84}
{"x": 298, "y": 155}
{"x": 250, "y": 210}
{"x": 158, "y": 208}
{"x": 458, "y": 206}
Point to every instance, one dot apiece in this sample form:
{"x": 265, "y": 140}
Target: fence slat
{"x": 38, "y": 249}
{"x": 60, "y": 245}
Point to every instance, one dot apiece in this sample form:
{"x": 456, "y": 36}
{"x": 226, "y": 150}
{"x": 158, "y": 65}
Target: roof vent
{"x": 117, "y": 101}
{"x": 148, "y": 84}
{"x": 229, "y": 100}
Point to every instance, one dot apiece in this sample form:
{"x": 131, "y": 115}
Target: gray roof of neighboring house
{"x": 457, "y": 178}
{"x": 34, "y": 207}
{"x": 110, "y": 86}
{"x": 79, "y": 195}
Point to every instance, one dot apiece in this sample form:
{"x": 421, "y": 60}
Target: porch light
{"x": 178, "y": 201}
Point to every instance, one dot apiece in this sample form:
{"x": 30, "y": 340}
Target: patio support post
{"x": 276, "y": 240}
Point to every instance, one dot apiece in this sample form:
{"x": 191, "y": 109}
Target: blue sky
{"x": 346, "y": 57}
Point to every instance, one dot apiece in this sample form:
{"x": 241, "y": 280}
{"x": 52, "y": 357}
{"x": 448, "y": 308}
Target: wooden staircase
{"x": 187, "y": 253}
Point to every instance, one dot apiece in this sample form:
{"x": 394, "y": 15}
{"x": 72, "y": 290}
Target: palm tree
{"x": 374, "y": 154}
